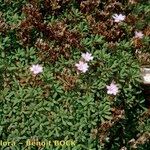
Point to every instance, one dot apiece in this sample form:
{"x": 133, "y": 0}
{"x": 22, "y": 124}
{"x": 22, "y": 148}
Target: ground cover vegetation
{"x": 70, "y": 70}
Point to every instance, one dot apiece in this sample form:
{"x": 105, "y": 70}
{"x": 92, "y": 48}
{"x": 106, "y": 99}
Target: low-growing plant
{"x": 70, "y": 70}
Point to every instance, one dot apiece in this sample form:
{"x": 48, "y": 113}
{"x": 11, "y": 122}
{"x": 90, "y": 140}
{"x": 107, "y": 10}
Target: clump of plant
{"x": 71, "y": 70}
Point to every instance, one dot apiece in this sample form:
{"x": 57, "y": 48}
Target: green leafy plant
{"x": 69, "y": 70}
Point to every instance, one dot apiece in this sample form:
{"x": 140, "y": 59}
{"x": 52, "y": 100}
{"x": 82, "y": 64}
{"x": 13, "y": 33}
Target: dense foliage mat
{"x": 70, "y": 74}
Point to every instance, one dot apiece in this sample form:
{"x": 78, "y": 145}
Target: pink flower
{"x": 139, "y": 34}
{"x": 82, "y": 66}
{"x": 87, "y": 56}
{"x": 112, "y": 89}
{"x": 146, "y": 78}
{"x": 36, "y": 69}
{"x": 118, "y": 18}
